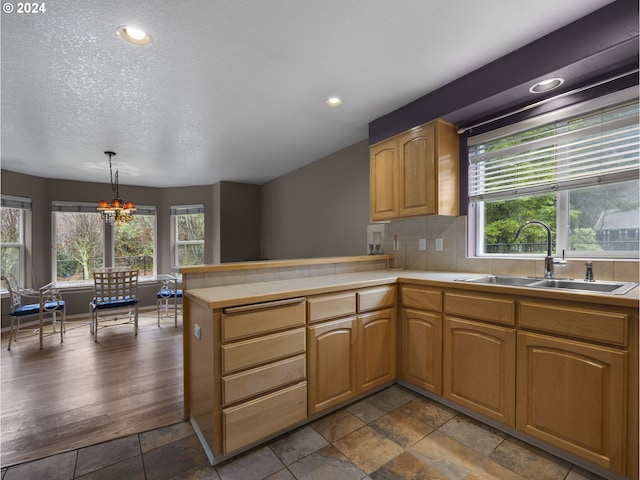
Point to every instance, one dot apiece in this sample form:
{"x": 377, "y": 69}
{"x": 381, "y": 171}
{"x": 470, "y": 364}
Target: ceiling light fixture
{"x": 117, "y": 212}
{"x": 134, "y": 35}
{"x": 546, "y": 85}
{"x": 333, "y": 102}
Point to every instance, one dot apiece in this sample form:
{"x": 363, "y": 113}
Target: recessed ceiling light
{"x": 134, "y": 35}
{"x": 333, "y": 102}
{"x": 546, "y": 85}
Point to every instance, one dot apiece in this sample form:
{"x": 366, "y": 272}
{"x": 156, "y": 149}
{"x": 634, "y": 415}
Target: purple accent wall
{"x": 603, "y": 41}
{"x": 592, "y": 48}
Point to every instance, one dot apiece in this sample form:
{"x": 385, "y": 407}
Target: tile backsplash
{"x": 453, "y": 258}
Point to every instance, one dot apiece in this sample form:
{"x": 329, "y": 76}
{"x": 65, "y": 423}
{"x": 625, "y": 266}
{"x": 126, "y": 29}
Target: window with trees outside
{"x": 188, "y": 232}
{"x": 134, "y": 244}
{"x": 83, "y": 242}
{"x": 575, "y": 169}
{"x": 12, "y": 238}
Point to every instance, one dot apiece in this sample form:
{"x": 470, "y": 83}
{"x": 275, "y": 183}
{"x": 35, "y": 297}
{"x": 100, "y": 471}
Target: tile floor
{"x": 393, "y": 434}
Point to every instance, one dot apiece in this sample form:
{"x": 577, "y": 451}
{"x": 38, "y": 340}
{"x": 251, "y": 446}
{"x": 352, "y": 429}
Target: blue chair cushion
{"x": 34, "y": 308}
{"x": 164, "y": 293}
{"x": 100, "y": 303}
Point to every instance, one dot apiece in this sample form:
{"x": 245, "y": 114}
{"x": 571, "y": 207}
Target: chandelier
{"x": 117, "y": 211}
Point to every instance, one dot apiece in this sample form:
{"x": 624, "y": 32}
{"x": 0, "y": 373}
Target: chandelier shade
{"x": 117, "y": 211}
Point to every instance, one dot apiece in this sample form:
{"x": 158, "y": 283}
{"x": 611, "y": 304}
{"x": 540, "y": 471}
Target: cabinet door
{"x": 383, "y": 187}
{"x": 572, "y": 395}
{"x": 376, "y": 349}
{"x": 332, "y": 363}
{"x": 417, "y": 172}
{"x": 479, "y": 367}
{"x": 421, "y": 349}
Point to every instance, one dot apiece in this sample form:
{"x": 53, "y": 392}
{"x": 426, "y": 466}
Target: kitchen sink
{"x": 570, "y": 284}
{"x": 614, "y": 288}
{"x": 502, "y": 280}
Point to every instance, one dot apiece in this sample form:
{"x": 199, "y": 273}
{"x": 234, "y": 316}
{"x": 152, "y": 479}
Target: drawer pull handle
{"x": 260, "y": 306}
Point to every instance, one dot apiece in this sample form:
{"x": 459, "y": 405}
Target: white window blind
{"x": 186, "y": 209}
{"x": 10, "y": 201}
{"x": 83, "y": 207}
{"x": 591, "y": 143}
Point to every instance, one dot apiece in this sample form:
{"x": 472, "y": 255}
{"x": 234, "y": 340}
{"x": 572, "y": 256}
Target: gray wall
{"x": 319, "y": 210}
{"x": 239, "y": 222}
{"x": 240, "y": 239}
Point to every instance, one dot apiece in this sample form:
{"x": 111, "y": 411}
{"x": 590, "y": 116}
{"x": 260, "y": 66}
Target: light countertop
{"x": 249, "y": 293}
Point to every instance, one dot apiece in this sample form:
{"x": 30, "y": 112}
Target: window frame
{"x": 23, "y": 205}
{"x": 107, "y": 234}
{"x": 176, "y": 212}
{"x": 476, "y": 208}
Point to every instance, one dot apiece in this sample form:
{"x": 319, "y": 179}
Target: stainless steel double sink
{"x": 570, "y": 284}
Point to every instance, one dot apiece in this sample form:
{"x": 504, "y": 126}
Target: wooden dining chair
{"x": 115, "y": 288}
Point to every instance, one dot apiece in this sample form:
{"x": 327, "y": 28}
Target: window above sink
{"x": 576, "y": 169}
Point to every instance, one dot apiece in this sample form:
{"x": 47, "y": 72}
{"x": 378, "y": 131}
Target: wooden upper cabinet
{"x": 383, "y": 189}
{"x": 415, "y": 173}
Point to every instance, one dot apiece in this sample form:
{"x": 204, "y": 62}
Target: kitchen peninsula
{"x": 270, "y": 346}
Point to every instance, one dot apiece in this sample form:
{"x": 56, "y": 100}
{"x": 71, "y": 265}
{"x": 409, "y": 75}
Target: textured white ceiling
{"x": 234, "y": 90}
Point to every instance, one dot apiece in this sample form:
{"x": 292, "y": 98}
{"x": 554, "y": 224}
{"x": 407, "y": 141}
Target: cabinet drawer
{"x": 376, "y": 298}
{"x": 600, "y": 326}
{"x": 263, "y": 379}
{"x": 250, "y": 320}
{"x": 421, "y": 298}
{"x": 491, "y": 309}
{"x": 325, "y": 307}
{"x": 257, "y": 351}
{"x": 263, "y": 416}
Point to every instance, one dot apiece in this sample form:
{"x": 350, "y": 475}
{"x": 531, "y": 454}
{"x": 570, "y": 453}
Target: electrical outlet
{"x": 439, "y": 245}
{"x": 197, "y": 332}
{"x": 422, "y": 244}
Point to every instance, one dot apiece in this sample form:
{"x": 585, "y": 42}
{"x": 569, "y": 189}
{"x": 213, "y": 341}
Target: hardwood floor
{"x": 80, "y": 393}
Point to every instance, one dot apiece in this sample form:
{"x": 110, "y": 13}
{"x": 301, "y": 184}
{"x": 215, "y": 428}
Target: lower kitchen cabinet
{"x": 376, "y": 349}
{"x": 259, "y": 418}
{"x": 558, "y": 370}
{"x": 479, "y": 369}
{"x": 420, "y": 331}
{"x": 332, "y": 363}
{"x": 246, "y": 367}
{"x": 572, "y": 395}
{"x": 421, "y": 349}
{"x": 262, "y": 379}
{"x": 352, "y": 354}
{"x": 577, "y": 380}
{"x": 266, "y": 348}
